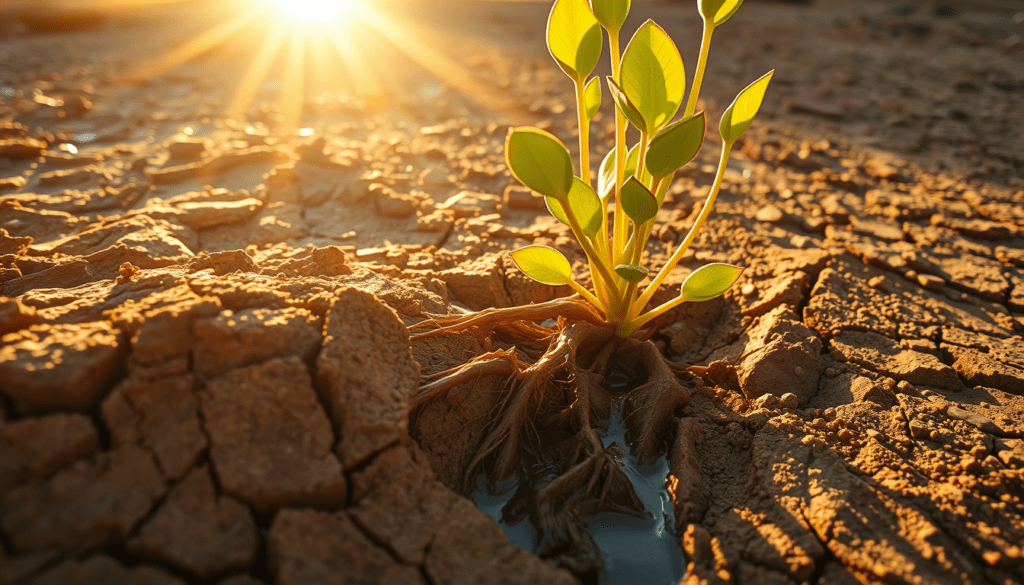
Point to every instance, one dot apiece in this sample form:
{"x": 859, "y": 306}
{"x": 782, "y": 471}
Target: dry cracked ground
{"x": 205, "y": 368}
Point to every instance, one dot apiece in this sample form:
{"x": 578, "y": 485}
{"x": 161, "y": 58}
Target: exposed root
{"x": 649, "y": 409}
{"x": 561, "y": 394}
{"x": 539, "y": 385}
{"x": 586, "y": 480}
{"x": 495, "y": 363}
{"x": 593, "y": 470}
{"x": 571, "y": 309}
{"x": 590, "y": 402}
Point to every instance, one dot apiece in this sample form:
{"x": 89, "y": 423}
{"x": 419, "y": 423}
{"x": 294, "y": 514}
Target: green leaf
{"x": 611, "y": 13}
{"x": 638, "y": 202}
{"x": 592, "y": 98}
{"x": 606, "y": 174}
{"x": 543, "y": 264}
{"x": 716, "y": 12}
{"x": 632, "y": 160}
{"x": 606, "y": 177}
{"x": 631, "y": 273}
{"x": 708, "y": 282}
{"x": 741, "y": 112}
{"x": 574, "y": 38}
{"x": 626, "y": 106}
{"x": 540, "y": 161}
{"x": 556, "y": 210}
{"x": 585, "y": 205}
{"x": 676, "y": 144}
{"x": 652, "y": 75}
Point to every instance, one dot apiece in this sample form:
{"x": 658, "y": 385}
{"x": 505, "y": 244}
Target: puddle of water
{"x": 522, "y": 533}
{"x": 634, "y": 550}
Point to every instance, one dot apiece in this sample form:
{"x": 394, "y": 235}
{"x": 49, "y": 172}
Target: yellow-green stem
{"x": 605, "y": 291}
{"x": 586, "y": 294}
{"x": 614, "y": 309}
{"x": 661, "y": 185}
{"x": 630, "y": 293}
{"x": 584, "y": 126}
{"x": 581, "y": 110}
{"x": 641, "y": 160}
{"x": 619, "y": 226}
{"x": 629, "y": 326}
{"x": 644, "y": 232}
{"x": 698, "y": 76}
{"x": 685, "y": 245}
{"x": 637, "y": 240}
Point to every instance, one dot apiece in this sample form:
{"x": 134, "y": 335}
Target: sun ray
{"x": 293, "y": 89}
{"x": 409, "y": 39}
{"x": 256, "y": 74}
{"x": 193, "y": 48}
{"x": 365, "y": 80}
{"x": 301, "y": 33}
{"x": 326, "y": 72}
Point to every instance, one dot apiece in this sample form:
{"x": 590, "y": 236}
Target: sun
{"x": 314, "y": 10}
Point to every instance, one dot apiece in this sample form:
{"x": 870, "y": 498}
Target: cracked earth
{"x": 206, "y": 375}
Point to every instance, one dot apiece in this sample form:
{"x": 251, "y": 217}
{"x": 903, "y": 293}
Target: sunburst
{"x": 313, "y": 35}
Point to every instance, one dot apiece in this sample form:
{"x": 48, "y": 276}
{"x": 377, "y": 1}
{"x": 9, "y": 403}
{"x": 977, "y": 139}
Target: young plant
{"x": 562, "y": 350}
{"x": 647, "y": 86}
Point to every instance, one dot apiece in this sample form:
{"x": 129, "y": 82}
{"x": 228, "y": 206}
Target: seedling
{"x": 647, "y": 85}
{"x": 552, "y": 374}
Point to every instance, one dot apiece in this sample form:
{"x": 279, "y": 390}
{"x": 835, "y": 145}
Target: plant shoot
{"x": 613, "y": 222}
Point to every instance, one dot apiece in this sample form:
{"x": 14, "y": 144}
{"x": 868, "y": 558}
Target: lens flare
{"x": 313, "y": 10}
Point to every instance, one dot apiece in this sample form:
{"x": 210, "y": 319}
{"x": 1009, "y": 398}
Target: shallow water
{"x": 634, "y": 550}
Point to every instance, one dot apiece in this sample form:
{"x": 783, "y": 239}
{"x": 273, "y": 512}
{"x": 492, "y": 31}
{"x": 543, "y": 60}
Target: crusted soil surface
{"x": 205, "y": 371}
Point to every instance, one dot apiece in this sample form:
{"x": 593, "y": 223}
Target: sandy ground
{"x": 205, "y": 371}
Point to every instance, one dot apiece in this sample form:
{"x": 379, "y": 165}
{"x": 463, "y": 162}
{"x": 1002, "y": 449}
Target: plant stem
{"x": 641, "y": 160}
{"x": 685, "y": 245}
{"x": 601, "y": 288}
{"x": 698, "y": 76}
{"x": 586, "y": 294}
{"x": 628, "y": 296}
{"x": 661, "y": 188}
{"x": 614, "y": 309}
{"x": 584, "y": 125}
{"x": 581, "y": 111}
{"x": 630, "y": 325}
{"x": 643, "y": 233}
{"x": 619, "y": 226}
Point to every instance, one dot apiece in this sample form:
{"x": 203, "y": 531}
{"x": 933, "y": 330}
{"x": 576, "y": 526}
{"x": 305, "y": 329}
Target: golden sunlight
{"x": 314, "y": 10}
{"x": 312, "y": 44}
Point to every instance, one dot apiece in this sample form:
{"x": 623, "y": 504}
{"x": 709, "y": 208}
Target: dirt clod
{"x": 262, "y": 455}
{"x": 47, "y": 368}
{"x": 367, "y": 375}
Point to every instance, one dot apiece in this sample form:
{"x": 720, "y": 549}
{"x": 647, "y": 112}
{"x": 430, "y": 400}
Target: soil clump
{"x": 219, "y": 350}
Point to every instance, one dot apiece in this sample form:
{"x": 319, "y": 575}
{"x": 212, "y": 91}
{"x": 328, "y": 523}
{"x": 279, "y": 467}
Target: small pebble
{"x": 813, "y": 442}
{"x": 918, "y": 429}
{"x": 907, "y": 388}
{"x": 879, "y": 283}
{"x": 931, "y": 282}
{"x": 769, "y": 214}
{"x": 992, "y": 557}
{"x": 970, "y": 464}
{"x": 768, "y": 401}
